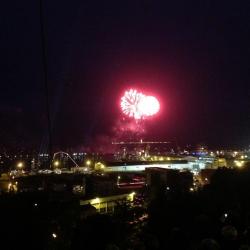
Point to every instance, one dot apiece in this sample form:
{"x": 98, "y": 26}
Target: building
{"x": 139, "y": 166}
{"x": 107, "y": 204}
{"x": 170, "y": 179}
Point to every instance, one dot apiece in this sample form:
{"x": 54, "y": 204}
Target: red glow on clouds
{"x": 137, "y": 105}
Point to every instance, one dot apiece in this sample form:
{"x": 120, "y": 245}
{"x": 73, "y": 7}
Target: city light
{"x": 20, "y": 164}
{"x": 54, "y": 235}
{"x": 56, "y": 163}
{"x": 99, "y": 166}
{"x": 131, "y": 195}
{"x": 239, "y": 164}
{"x": 88, "y": 162}
{"x": 96, "y": 200}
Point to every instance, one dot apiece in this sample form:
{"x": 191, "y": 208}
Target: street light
{"x": 118, "y": 179}
{"x": 56, "y": 163}
{"x": 88, "y": 162}
{"x": 54, "y": 235}
{"x": 20, "y": 164}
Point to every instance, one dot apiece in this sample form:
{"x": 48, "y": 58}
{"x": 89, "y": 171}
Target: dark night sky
{"x": 193, "y": 55}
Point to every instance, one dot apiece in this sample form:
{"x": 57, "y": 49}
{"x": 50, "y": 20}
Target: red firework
{"x": 138, "y": 105}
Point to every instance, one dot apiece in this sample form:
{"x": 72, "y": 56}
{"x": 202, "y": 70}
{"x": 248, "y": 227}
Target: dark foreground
{"x": 214, "y": 217}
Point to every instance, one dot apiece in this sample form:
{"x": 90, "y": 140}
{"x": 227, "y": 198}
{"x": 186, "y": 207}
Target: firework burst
{"x": 130, "y": 103}
{"x": 137, "y": 105}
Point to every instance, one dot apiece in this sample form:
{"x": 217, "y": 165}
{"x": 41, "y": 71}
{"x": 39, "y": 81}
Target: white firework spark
{"x": 130, "y": 103}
